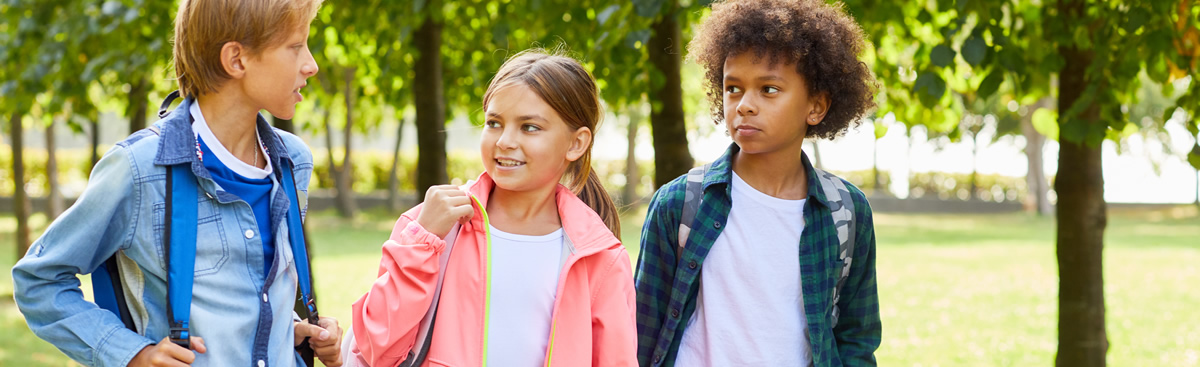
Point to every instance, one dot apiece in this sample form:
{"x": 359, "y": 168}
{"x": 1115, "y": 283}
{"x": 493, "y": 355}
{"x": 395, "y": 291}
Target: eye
{"x": 529, "y": 128}
{"x": 491, "y": 124}
{"x": 733, "y": 89}
{"x": 770, "y": 90}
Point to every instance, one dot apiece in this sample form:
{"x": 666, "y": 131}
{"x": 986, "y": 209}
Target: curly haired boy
{"x": 759, "y": 259}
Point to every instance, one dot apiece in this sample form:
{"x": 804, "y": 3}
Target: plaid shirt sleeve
{"x": 656, "y": 265}
{"x": 859, "y": 330}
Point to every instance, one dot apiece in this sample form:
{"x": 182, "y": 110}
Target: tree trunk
{"x": 878, "y": 188}
{"x": 54, "y": 199}
{"x": 431, "y": 107}
{"x": 394, "y": 179}
{"x": 135, "y": 111}
{"x": 344, "y": 181}
{"x": 669, "y": 133}
{"x": 95, "y": 143}
{"x": 1035, "y": 179}
{"x": 632, "y": 177}
{"x": 20, "y": 198}
{"x": 333, "y": 166}
{"x": 974, "y": 193}
{"x": 283, "y": 124}
{"x": 1081, "y": 214}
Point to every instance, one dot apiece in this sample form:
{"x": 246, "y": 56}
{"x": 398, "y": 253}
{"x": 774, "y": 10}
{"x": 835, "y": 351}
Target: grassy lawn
{"x": 956, "y": 290}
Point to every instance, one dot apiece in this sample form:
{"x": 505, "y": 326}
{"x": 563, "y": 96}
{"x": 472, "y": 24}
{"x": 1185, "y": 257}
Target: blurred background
{"x": 1032, "y": 164}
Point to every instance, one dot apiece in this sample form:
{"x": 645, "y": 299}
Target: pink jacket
{"x": 593, "y": 320}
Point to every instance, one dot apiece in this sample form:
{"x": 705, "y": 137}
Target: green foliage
{"x": 956, "y": 186}
{"x": 74, "y": 166}
{"x": 1011, "y": 48}
{"x": 1045, "y": 121}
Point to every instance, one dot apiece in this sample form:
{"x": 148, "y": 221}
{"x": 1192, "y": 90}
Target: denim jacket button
{"x": 264, "y": 298}
{"x": 249, "y": 234}
{"x": 262, "y": 363}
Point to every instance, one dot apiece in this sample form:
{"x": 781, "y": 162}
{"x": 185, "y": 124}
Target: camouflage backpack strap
{"x": 693, "y": 196}
{"x": 842, "y": 208}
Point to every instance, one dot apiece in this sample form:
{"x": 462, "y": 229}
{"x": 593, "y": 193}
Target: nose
{"x": 310, "y": 67}
{"x": 507, "y": 140}
{"x": 746, "y": 106}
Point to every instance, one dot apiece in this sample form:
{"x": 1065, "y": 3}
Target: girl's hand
{"x": 444, "y": 205}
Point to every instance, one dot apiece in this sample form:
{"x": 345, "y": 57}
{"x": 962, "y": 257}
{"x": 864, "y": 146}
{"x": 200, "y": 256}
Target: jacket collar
{"x": 721, "y": 172}
{"x": 584, "y": 229}
{"x": 177, "y": 142}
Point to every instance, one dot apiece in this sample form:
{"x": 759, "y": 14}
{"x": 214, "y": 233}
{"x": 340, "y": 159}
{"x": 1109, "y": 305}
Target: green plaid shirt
{"x": 666, "y": 288}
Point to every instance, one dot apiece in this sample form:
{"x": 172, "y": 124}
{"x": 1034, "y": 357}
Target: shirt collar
{"x": 721, "y": 172}
{"x": 177, "y": 143}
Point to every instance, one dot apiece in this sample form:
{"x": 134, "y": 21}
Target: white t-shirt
{"x": 750, "y": 307}
{"x": 524, "y": 280}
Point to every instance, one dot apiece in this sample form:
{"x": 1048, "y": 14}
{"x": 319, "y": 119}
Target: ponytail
{"x": 592, "y": 193}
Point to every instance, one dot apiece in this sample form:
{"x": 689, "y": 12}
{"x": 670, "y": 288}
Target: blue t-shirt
{"x": 256, "y": 192}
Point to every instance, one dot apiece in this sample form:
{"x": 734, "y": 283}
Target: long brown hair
{"x": 570, "y": 90}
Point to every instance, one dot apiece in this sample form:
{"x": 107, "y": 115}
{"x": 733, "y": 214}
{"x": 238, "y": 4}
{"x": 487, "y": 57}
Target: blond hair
{"x": 202, "y": 27}
{"x": 570, "y": 90}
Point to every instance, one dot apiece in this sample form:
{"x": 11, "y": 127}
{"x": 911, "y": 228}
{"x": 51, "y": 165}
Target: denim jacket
{"x": 243, "y": 313}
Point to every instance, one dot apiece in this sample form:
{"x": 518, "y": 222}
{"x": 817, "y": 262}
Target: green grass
{"x": 955, "y": 290}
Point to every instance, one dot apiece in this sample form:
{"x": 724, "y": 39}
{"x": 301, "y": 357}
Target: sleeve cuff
{"x": 119, "y": 347}
{"x": 416, "y": 235}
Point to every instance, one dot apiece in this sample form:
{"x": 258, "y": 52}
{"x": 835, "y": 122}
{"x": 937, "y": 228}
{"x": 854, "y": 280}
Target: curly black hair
{"x": 821, "y": 39}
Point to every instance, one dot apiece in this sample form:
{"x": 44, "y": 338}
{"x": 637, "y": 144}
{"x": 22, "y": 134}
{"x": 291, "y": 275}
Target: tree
{"x": 20, "y": 197}
{"x": 1035, "y": 143}
{"x": 1096, "y": 50}
{"x": 430, "y": 104}
{"x": 669, "y": 130}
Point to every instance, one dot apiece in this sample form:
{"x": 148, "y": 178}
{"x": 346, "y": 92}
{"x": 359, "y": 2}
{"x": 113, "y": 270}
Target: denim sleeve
{"x": 859, "y": 330}
{"x": 46, "y": 288}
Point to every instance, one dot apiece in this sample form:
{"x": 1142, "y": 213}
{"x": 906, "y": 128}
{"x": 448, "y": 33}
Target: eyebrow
{"x": 764, "y": 78}
{"x": 522, "y": 118}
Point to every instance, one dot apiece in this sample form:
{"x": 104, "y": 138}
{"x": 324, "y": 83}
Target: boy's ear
{"x": 581, "y": 139}
{"x": 232, "y": 55}
{"x": 819, "y": 107}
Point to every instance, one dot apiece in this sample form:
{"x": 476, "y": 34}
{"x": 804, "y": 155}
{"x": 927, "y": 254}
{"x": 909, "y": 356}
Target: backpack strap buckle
{"x": 179, "y": 335}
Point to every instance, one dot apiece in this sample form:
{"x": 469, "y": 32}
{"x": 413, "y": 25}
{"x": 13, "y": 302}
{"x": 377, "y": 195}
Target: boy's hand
{"x": 444, "y": 205}
{"x": 325, "y": 340}
{"x": 166, "y": 353}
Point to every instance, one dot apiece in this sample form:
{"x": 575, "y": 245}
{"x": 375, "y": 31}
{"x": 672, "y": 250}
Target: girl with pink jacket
{"x": 536, "y": 275}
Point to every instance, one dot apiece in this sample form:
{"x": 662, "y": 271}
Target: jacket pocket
{"x": 212, "y": 246}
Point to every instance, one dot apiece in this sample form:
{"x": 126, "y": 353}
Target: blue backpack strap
{"x": 180, "y": 247}
{"x": 296, "y": 237}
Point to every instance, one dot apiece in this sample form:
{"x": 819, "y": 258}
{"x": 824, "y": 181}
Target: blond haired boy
{"x": 233, "y": 58}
